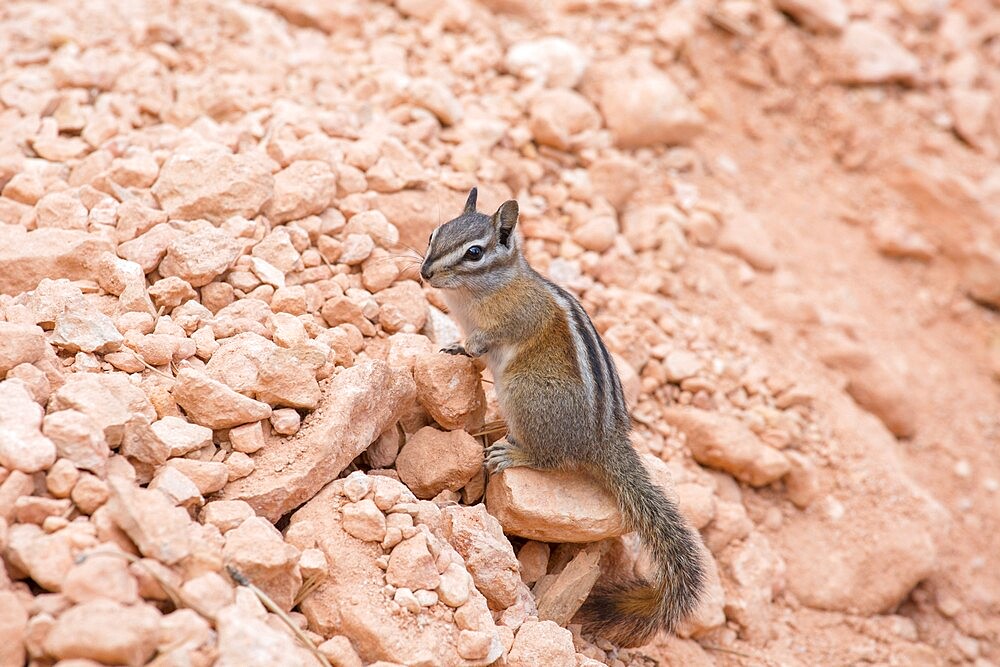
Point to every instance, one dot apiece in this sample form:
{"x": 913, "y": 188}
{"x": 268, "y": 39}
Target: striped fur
{"x": 561, "y": 396}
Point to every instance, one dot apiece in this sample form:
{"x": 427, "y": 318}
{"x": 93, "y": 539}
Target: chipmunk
{"x": 562, "y": 399}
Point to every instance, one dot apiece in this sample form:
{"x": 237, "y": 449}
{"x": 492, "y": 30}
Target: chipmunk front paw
{"x": 502, "y": 455}
{"x": 455, "y": 348}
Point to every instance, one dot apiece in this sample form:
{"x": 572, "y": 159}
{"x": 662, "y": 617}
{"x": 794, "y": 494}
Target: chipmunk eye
{"x": 474, "y": 253}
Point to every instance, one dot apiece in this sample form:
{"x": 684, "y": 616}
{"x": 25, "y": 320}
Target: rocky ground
{"x": 226, "y": 436}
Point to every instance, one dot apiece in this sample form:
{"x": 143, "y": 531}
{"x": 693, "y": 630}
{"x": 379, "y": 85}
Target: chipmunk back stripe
{"x": 583, "y": 347}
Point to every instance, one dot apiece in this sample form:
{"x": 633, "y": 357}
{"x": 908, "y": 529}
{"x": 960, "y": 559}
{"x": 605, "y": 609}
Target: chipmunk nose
{"x": 425, "y": 272}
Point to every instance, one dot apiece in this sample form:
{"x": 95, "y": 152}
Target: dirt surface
{"x": 784, "y": 218}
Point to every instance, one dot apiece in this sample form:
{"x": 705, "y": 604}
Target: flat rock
{"x": 150, "y": 519}
{"x": 212, "y": 404}
{"x": 208, "y": 181}
{"x": 723, "y": 442}
{"x": 357, "y": 405}
{"x": 107, "y": 632}
{"x": 29, "y": 257}
{"x": 552, "y": 506}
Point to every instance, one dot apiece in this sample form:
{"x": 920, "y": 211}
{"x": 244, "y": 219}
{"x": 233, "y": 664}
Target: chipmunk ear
{"x": 470, "y": 203}
{"x": 504, "y": 220}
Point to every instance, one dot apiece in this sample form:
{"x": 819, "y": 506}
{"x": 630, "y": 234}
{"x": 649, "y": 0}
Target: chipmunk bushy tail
{"x": 628, "y": 612}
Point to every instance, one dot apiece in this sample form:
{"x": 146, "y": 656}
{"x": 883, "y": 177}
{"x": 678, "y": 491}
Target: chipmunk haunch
{"x": 561, "y": 396}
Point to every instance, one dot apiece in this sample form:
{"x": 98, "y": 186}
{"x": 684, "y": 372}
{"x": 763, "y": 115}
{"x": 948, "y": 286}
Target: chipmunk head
{"x": 474, "y": 250}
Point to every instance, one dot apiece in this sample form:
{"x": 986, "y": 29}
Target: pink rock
{"x": 450, "y": 389}
{"x": 357, "y": 405}
{"x": 561, "y": 599}
{"x": 201, "y": 256}
{"x": 245, "y": 640}
{"x": 208, "y": 593}
{"x": 437, "y": 98}
{"x": 19, "y": 344}
{"x": 28, "y": 257}
{"x": 304, "y": 188}
{"x": 150, "y": 519}
{"x": 552, "y": 506}
{"x": 101, "y": 576}
{"x": 403, "y": 307}
{"x": 89, "y": 493}
{"x": 746, "y": 237}
{"x": 719, "y": 441}
{"x": 433, "y": 460}
{"x": 22, "y": 445}
{"x": 180, "y": 436}
{"x": 107, "y": 632}
{"x": 248, "y": 438}
{"x": 541, "y": 643}
{"x": 239, "y": 465}
{"x": 870, "y": 55}
{"x": 226, "y": 514}
{"x": 364, "y": 520}
{"x": 412, "y": 566}
{"x": 212, "y": 404}
{"x": 178, "y": 487}
{"x": 556, "y": 61}
{"x": 109, "y": 399}
{"x": 86, "y": 330}
{"x": 257, "y": 551}
{"x": 61, "y": 478}
{"x": 208, "y": 181}
{"x": 13, "y": 626}
{"x": 149, "y": 249}
{"x": 489, "y": 558}
{"x": 339, "y": 651}
{"x": 643, "y": 106}
{"x": 208, "y": 476}
{"x": 61, "y": 210}
{"x": 559, "y": 116}
{"x": 829, "y": 16}
{"x": 45, "y": 558}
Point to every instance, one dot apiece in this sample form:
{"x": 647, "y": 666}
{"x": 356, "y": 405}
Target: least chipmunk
{"x": 560, "y": 394}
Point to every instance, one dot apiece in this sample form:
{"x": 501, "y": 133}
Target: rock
{"x": 553, "y": 61}
{"x": 87, "y": 331}
{"x": 874, "y": 386}
{"x": 450, "y": 389}
{"x": 256, "y": 550}
{"x": 710, "y": 612}
{"x": 489, "y": 558}
{"x": 357, "y": 405}
{"x": 432, "y": 461}
{"x": 226, "y": 514}
{"x": 107, "y": 632}
{"x": 566, "y": 594}
{"x": 178, "y": 487}
{"x": 101, "y": 577}
{"x": 208, "y": 476}
{"x": 212, "y": 404}
{"x": 412, "y": 566}
{"x": 305, "y": 187}
{"x": 754, "y": 574}
{"x": 201, "y": 256}
{"x": 180, "y": 436}
{"x": 981, "y": 276}
{"x": 642, "y": 106}
{"x": 552, "y": 506}
{"x": 829, "y": 16}
{"x": 340, "y": 652}
{"x": 351, "y": 600}
{"x": 30, "y": 257}
{"x": 403, "y": 307}
{"x": 62, "y": 210}
{"x": 208, "y": 181}
{"x": 697, "y": 503}
{"x": 453, "y": 590}
{"x": 22, "y": 445}
{"x": 681, "y": 365}
{"x": 534, "y": 560}
{"x": 364, "y": 521}
{"x": 110, "y": 400}
{"x": 45, "y": 558}
{"x": 558, "y": 117}
{"x": 744, "y": 235}
{"x": 13, "y": 627}
{"x": 437, "y": 98}
{"x": 89, "y": 493}
{"x": 597, "y": 234}
{"x": 245, "y": 640}
{"x": 541, "y": 643}
{"x": 150, "y": 519}
{"x": 869, "y": 55}
{"x": 19, "y": 344}
{"x": 723, "y": 442}
{"x": 248, "y": 438}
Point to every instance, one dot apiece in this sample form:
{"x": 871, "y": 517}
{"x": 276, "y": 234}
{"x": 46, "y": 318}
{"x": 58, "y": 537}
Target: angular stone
{"x": 150, "y": 519}
{"x": 255, "y": 548}
{"x": 19, "y": 344}
{"x": 208, "y": 476}
{"x": 489, "y": 558}
{"x": 364, "y": 520}
{"x": 869, "y": 55}
{"x": 200, "y": 257}
{"x": 13, "y": 627}
{"x": 357, "y": 405}
{"x": 541, "y": 643}
{"x": 304, "y": 188}
{"x": 30, "y": 257}
{"x": 22, "y": 445}
{"x": 412, "y": 566}
{"x": 208, "y": 181}
{"x": 107, "y": 632}
{"x": 45, "y": 558}
{"x": 212, "y": 404}
{"x": 101, "y": 576}
{"x": 449, "y": 387}
{"x": 567, "y": 593}
{"x": 433, "y": 460}
{"x": 829, "y": 16}
{"x": 109, "y": 399}
{"x": 722, "y": 442}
